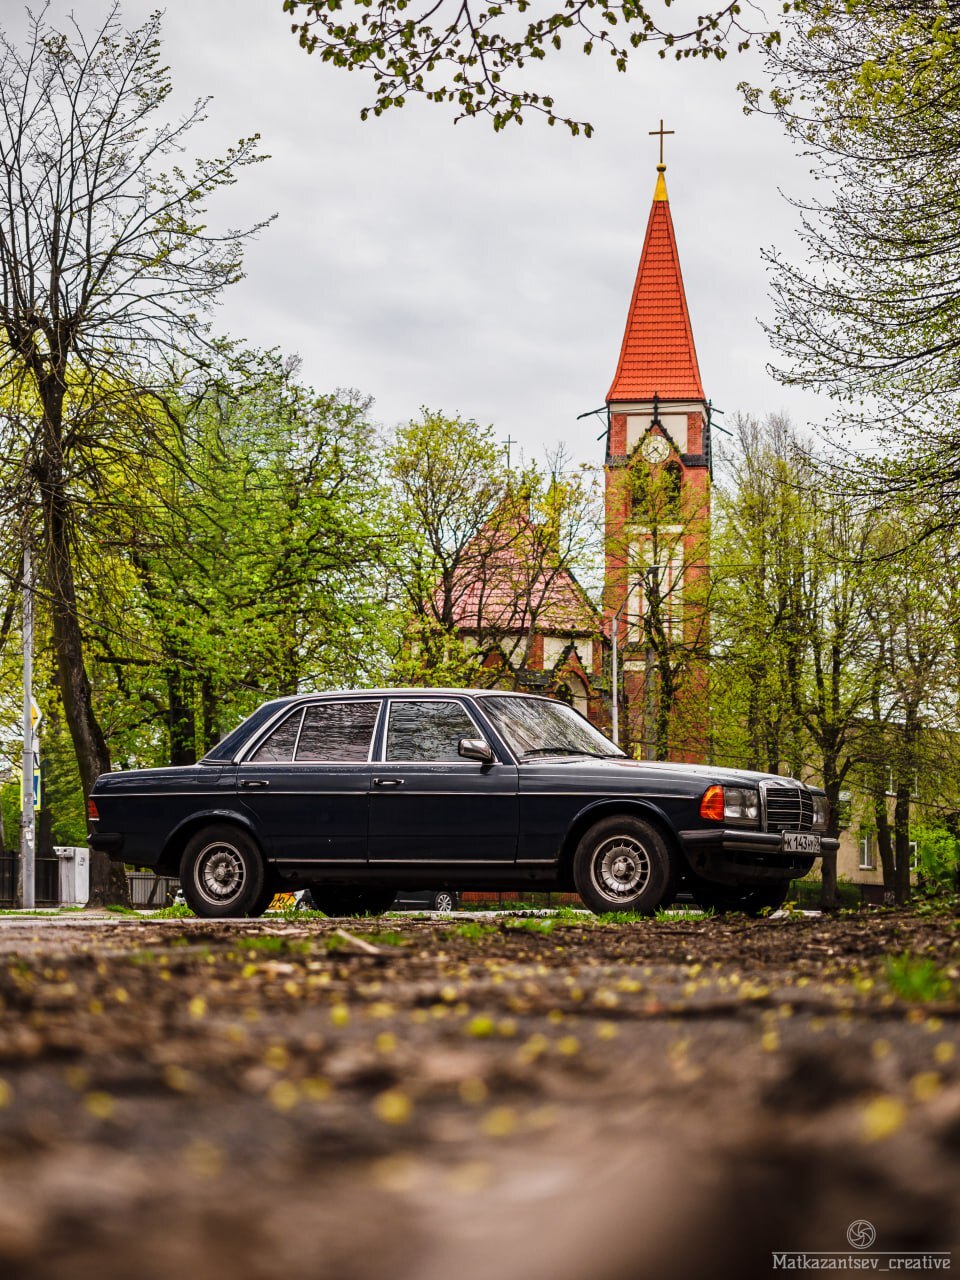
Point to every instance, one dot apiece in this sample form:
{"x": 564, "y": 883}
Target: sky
{"x": 433, "y": 264}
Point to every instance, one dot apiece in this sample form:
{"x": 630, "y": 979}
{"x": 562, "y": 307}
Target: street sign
{"x": 37, "y": 784}
{"x": 36, "y": 715}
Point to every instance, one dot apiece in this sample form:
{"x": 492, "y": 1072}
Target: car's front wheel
{"x": 624, "y": 864}
{"x": 444, "y": 900}
{"x": 222, "y": 874}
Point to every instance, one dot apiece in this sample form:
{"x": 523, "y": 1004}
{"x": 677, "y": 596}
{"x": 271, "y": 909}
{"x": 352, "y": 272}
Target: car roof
{"x": 413, "y": 692}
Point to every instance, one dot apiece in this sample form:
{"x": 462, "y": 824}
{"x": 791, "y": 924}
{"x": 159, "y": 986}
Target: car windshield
{"x": 538, "y": 727}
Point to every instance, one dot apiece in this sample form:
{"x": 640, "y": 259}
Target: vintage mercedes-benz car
{"x": 354, "y": 795}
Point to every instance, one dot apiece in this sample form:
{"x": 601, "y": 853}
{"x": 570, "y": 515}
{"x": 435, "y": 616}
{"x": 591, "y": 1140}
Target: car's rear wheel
{"x": 624, "y": 864}
{"x": 222, "y": 873}
{"x": 750, "y": 900}
{"x": 444, "y": 900}
{"x": 335, "y": 901}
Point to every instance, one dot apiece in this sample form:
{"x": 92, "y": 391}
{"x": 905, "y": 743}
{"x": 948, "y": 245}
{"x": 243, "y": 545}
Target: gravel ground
{"x": 501, "y": 1098}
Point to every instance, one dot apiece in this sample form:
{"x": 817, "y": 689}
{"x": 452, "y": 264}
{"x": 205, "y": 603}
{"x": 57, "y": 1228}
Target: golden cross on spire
{"x": 661, "y": 133}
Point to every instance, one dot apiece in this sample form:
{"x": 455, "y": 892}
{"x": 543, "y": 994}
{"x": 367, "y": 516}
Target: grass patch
{"x": 176, "y": 911}
{"x": 918, "y": 978}
{"x": 472, "y": 929}
{"x": 270, "y": 945}
{"x": 667, "y": 915}
{"x": 117, "y": 909}
{"x": 531, "y": 924}
{"x": 388, "y": 938}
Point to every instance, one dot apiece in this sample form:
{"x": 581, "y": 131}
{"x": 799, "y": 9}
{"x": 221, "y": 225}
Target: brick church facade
{"x": 657, "y": 518}
{"x": 656, "y": 526}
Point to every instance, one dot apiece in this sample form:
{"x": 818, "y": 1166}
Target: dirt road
{"x": 515, "y": 1098}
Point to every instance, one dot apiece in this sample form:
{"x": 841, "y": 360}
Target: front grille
{"x": 789, "y": 809}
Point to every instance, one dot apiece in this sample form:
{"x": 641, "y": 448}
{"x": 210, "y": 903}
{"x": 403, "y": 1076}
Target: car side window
{"x": 339, "y": 731}
{"x": 279, "y": 745}
{"x": 427, "y": 730}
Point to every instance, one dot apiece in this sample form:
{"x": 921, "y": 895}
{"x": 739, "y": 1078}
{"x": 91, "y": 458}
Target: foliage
{"x": 472, "y": 53}
{"x": 918, "y": 978}
{"x": 872, "y": 314}
{"x": 667, "y": 605}
{"x": 484, "y": 556}
{"x": 255, "y": 559}
{"x": 938, "y": 851}
{"x": 107, "y": 262}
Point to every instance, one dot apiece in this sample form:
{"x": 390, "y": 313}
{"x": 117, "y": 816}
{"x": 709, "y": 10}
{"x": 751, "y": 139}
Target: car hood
{"x": 657, "y": 771}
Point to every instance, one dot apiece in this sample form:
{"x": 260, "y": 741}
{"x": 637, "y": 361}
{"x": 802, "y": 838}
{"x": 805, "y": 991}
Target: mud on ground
{"x": 512, "y": 1098}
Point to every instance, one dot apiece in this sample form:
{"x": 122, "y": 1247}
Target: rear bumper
{"x": 108, "y": 842}
{"x": 737, "y": 857}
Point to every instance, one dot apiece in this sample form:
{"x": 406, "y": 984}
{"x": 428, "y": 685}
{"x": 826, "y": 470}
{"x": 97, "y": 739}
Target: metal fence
{"x": 47, "y": 880}
{"x": 149, "y": 890}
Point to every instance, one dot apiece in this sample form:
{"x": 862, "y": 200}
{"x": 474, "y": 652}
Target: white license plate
{"x": 801, "y": 842}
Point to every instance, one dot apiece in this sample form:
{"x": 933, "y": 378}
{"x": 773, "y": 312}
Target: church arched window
{"x": 671, "y": 482}
{"x": 655, "y": 493}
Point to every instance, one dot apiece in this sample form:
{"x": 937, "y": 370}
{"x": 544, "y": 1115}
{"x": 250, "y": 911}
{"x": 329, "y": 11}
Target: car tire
{"x": 333, "y": 900}
{"x": 749, "y": 900}
{"x": 624, "y": 864}
{"x": 444, "y": 900}
{"x": 222, "y": 873}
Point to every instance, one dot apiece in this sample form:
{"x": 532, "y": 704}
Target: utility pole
{"x": 27, "y": 819}
{"x": 615, "y": 665}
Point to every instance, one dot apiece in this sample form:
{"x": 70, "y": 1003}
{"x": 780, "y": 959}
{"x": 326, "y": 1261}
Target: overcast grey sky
{"x": 432, "y": 264}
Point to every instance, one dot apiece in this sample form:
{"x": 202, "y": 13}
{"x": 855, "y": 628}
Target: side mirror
{"x": 475, "y": 749}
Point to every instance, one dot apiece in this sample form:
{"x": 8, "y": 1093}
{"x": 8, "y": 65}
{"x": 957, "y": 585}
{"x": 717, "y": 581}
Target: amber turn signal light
{"x": 711, "y": 806}
{"x": 93, "y": 813}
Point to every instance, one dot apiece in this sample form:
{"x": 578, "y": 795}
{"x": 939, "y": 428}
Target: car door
{"x": 429, "y": 804}
{"x": 307, "y": 783}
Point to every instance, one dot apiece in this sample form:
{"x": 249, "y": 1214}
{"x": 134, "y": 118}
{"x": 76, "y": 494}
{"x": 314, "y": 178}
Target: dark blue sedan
{"x": 356, "y": 795}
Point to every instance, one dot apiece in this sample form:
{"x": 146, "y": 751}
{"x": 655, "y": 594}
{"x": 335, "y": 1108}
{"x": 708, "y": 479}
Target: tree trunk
{"x": 885, "y": 844}
{"x": 181, "y": 719}
{"x": 108, "y": 881}
{"x": 828, "y": 865}
{"x": 901, "y": 843}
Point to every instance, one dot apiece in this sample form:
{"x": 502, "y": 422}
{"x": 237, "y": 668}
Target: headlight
{"x": 821, "y": 812}
{"x": 741, "y": 804}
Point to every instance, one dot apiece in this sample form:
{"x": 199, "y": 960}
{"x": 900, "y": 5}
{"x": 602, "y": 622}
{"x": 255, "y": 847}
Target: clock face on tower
{"x": 655, "y": 448}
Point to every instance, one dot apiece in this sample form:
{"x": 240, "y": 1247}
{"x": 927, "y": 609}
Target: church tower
{"x": 658, "y": 471}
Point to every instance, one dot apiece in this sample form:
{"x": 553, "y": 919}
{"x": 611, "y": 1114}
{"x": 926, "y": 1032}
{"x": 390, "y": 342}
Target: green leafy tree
{"x": 796, "y": 572}
{"x": 871, "y": 314}
{"x": 107, "y": 261}
{"x": 485, "y": 557}
{"x": 473, "y": 56}
{"x": 254, "y": 560}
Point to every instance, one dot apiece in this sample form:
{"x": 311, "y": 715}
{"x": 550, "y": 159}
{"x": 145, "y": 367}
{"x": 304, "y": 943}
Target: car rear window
{"x": 333, "y": 731}
{"x": 337, "y": 731}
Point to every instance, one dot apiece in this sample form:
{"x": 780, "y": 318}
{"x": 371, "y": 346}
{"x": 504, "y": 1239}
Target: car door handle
{"x": 254, "y": 782}
{"x": 388, "y": 782}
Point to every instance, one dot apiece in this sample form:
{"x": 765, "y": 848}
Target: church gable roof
{"x": 506, "y": 582}
{"x": 658, "y": 356}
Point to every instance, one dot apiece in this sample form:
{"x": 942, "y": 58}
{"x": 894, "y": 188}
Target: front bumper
{"x": 740, "y": 856}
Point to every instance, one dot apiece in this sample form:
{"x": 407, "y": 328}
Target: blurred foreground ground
{"x": 510, "y": 1098}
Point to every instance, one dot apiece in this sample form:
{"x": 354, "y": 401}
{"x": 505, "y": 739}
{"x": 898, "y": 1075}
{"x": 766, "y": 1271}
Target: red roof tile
{"x": 658, "y": 356}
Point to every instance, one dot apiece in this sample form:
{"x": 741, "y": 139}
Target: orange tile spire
{"x": 658, "y": 356}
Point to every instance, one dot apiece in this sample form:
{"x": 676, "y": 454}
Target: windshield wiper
{"x": 565, "y": 751}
